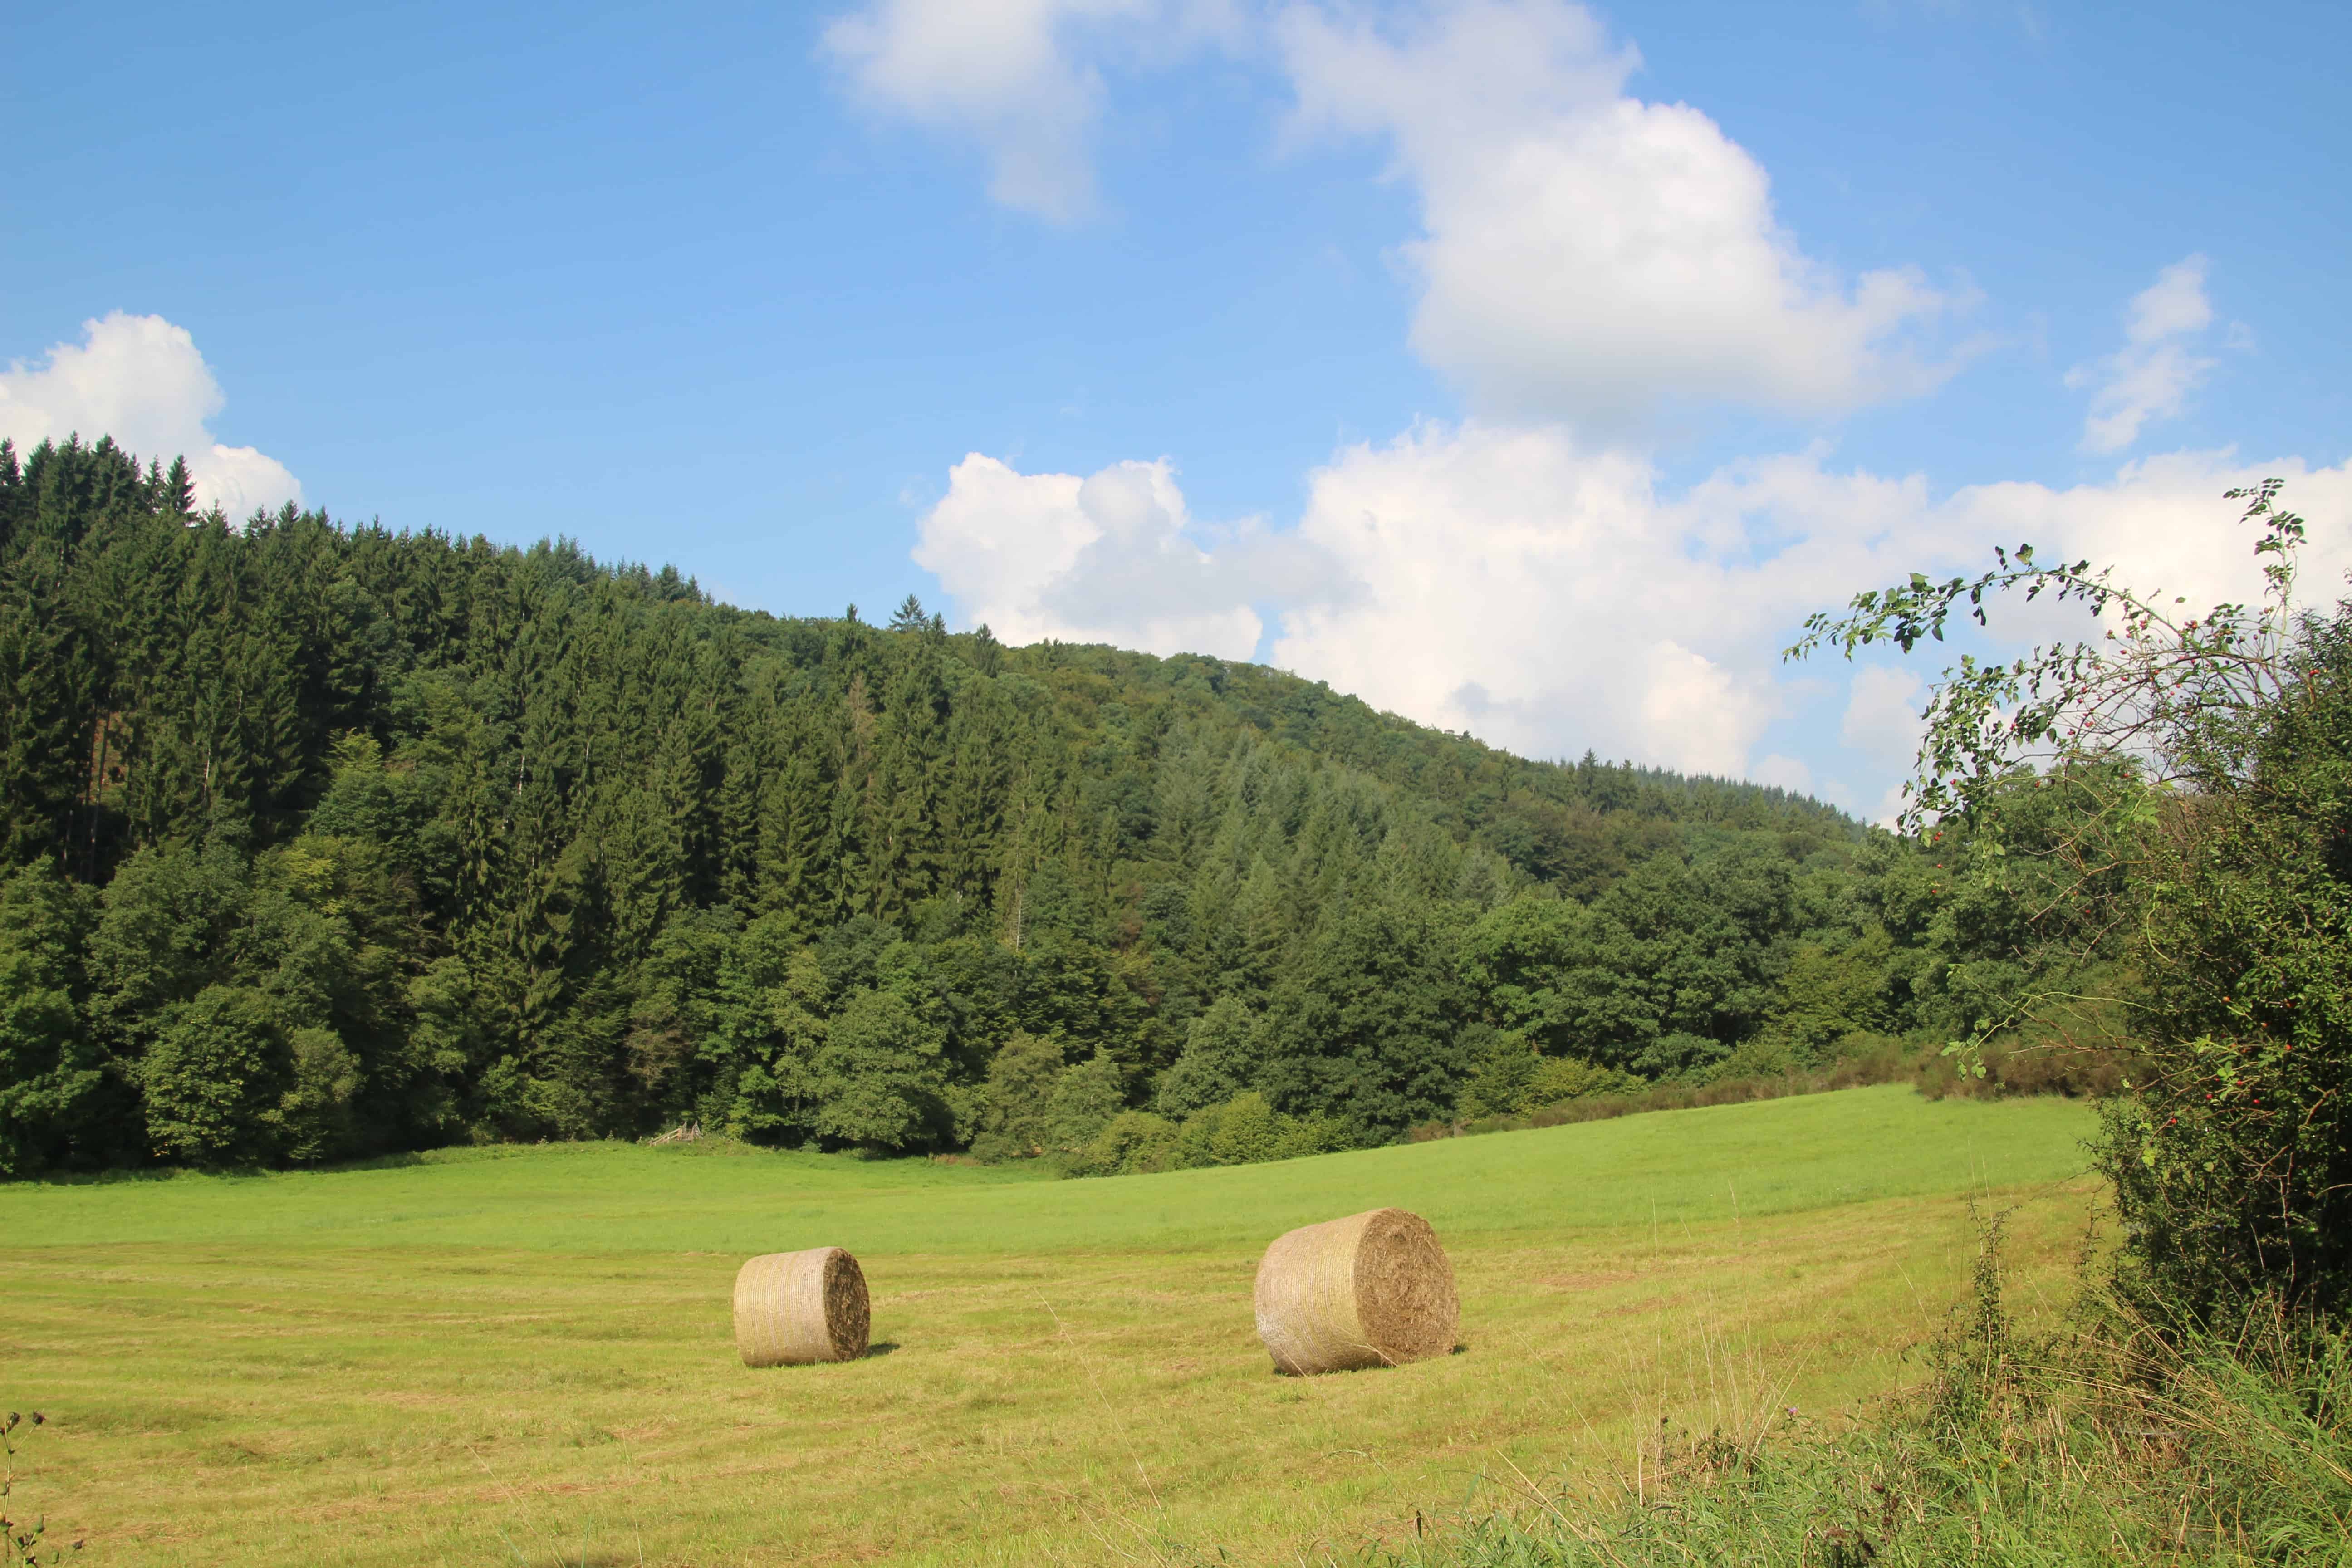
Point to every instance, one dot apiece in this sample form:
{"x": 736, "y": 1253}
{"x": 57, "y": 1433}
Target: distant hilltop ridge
{"x": 349, "y": 839}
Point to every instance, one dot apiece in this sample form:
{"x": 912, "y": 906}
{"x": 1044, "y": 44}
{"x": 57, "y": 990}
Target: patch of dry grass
{"x": 278, "y": 1401}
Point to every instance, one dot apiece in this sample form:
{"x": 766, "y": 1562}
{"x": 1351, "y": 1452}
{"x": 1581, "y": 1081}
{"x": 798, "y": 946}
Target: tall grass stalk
{"x": 2114, "y": 1440}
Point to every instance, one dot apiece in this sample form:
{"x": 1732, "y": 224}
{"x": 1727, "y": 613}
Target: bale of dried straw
{"x": 793, "y": 1307}
{"x": 1372, "y": 1289}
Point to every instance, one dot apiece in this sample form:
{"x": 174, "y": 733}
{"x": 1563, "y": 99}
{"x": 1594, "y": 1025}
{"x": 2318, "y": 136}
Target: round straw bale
{"x": 1372, "y": 1289}
{"x": 792, "y": 1308}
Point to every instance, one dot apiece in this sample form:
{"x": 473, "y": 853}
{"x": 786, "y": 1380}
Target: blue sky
{"x": 1521, "y": 366}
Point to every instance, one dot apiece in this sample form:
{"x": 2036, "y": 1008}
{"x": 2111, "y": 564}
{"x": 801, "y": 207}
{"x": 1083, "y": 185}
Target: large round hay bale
{"x": 1372, "y": 1289}
{"x": 793, "y": 1307}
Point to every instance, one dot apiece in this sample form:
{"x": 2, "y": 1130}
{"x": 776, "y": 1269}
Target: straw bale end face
{"x": 794, "y": 1308}
{"x": 1372, "y": 1289}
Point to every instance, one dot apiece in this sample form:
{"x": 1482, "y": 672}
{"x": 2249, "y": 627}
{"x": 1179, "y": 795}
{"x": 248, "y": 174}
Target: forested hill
{"x": 323, "y": 840}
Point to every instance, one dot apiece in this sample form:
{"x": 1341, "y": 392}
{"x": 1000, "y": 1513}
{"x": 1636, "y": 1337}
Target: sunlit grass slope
{"x": 523, "y": 1355}
{"x": 1673, "y": 1168}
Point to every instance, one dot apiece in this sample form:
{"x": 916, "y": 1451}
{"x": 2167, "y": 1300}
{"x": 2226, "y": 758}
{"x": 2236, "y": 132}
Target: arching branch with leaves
{"x": 2197, "y": 870}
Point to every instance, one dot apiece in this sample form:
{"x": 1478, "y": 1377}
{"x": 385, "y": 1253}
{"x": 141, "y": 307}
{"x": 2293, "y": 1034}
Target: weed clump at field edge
{"x": 2106, "y": 1443}
{"x": 22, "y": 1542}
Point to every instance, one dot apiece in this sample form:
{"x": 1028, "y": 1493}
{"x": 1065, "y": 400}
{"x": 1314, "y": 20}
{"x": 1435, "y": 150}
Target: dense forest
{"x": 319, "y": 841}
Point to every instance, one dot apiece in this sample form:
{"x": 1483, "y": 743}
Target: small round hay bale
{"x": 1372, "y": 1289}
{"x": 793, "y": 1307}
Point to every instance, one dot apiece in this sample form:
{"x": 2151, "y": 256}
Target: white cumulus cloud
{"x": 1017, "y": 79}
{"x": 1527, "y": 589}
{"x": 1545, "y": 594}
{"x": 2151, "y": 376}
{"x": 1587, "y": 254}
{"x": 1114, "y": 557}
{"x": 140, "y": 380}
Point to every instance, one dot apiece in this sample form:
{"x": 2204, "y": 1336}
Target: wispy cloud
{"x": 2151, "y": 376}
{"x": 1021, "y": 80}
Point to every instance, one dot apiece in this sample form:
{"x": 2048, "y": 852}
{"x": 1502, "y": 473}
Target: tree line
{"x": 317, "y": 841}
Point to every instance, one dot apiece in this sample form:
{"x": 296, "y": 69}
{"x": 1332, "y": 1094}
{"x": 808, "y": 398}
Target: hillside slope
{"x": 327, "y": 840}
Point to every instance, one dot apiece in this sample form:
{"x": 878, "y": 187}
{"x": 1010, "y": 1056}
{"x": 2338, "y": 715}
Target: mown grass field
{"x": 524, "y": 1355}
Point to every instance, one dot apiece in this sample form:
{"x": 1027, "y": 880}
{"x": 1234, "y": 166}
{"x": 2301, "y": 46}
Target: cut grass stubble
{"x": 281, "y": 1391}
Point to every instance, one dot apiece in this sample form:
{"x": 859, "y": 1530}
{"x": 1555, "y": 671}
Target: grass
{"x": 2117, "y": 1440}
{"x": 526, "y": 1358}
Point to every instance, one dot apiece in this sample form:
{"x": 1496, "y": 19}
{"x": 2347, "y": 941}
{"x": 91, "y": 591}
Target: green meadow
{"x": 523, "y": 1354}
